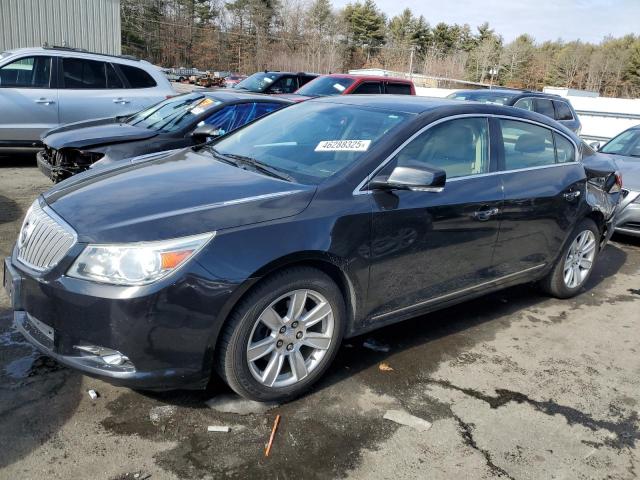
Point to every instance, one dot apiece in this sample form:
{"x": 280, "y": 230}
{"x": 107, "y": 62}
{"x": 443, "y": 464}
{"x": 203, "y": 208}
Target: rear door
{"x": 91, "y": 89}
{"x": 544, "y": 185}
{"x": 427, "y": 246}
{"x": 28, "y": 100}
{"x": 141, "y": 89}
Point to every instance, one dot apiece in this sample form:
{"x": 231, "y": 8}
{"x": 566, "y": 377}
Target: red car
{"x": 233, "y": 79}
{"x": 344, "y": 84}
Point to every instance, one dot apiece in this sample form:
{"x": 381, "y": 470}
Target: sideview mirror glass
{"x": 206, "y": 132}
{"x": 411, "y": 178}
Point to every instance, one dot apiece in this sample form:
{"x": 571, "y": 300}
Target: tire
{"x": 560, "y": 282}
{"x": 276, "y": 358}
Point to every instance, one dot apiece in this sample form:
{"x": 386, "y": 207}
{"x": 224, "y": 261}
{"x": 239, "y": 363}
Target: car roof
{"x": 79, "y": 53}
{"x": 418, "y": 105}
{"x": 512, "y": 91}
{"x": 368, "y": 77}
{"x": 231, "y": 95}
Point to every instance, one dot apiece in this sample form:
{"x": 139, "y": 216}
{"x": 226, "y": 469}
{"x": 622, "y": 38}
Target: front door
{"x": 28, "y": 104}
{"x": 430, "y": 245}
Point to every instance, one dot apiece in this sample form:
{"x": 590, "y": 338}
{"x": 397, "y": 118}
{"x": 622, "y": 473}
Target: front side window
{"x": 565, "y": 151}
{"x": 311, "y": 141}
{"x": 174, "y": 113}
{"x": 627, "y": 143}
{"x": 563, "y": 111}
{"x": 526, "y": 145}
{"x": 398, "y": 89}
{"x": 324, "y": 86}
{"x": 28, "y": 72}
{"x": 222, "y": 120}
{"x": 284, "y": 85}
{"x": 368, "y": 88}
{"x": 137, "y": 77}
{"x": 459, "y": 147}
{"x": 525, "y": 104}
{"x": 545, "y": 107}
{"x": 235, "y": 116}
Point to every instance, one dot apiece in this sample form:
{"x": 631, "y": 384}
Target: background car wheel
{"x": 575, "y": 264}
{"x": 282, "y": 337}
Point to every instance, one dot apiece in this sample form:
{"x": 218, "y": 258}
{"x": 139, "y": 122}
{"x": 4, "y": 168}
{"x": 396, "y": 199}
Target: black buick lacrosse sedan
{"x": 255, "y": 255}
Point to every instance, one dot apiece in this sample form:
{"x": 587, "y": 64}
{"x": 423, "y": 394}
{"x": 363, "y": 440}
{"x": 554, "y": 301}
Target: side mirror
{"x": 206, "y": 132}
{"x": 421, "y": 179}
{"x": 595, "y": 145}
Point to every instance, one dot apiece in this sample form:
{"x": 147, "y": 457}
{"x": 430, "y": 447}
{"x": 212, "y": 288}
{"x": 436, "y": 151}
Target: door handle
{"x": 571, "y": 196}
{"x": 44, "y": 101}
{"x": 484, "y": 215}
{"x": 121, "y": 101}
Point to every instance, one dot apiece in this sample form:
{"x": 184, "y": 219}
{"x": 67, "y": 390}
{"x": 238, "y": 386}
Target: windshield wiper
{"x": 261, "y": 167}
{"x": 239, "y": 160}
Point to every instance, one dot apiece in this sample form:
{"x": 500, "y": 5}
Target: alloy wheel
{"x": 579, "y": 259}
{"x": 290, "y": 338}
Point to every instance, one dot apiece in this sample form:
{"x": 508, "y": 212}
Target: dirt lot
{"x": 516, "y": 385}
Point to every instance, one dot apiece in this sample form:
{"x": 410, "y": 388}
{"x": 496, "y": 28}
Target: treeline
{"x": 310, "y": 35}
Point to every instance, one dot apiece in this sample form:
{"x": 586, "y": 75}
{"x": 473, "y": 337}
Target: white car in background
{"x": 42, "y": 88}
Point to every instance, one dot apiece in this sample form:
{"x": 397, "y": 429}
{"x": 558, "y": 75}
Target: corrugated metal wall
{"x": 90, "y": 24}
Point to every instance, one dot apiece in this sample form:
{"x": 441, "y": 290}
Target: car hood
{"x": 630, "y": 169}
{"x": 96, "y": 132}
{"x": 169, "y": 195}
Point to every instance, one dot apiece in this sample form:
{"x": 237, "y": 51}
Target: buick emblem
{"x": 25, "y": 233}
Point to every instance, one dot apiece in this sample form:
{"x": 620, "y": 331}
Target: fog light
{"x": 106, "y": 355}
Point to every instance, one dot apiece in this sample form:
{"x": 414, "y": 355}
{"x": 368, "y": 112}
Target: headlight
{"x": 136, "y": 263}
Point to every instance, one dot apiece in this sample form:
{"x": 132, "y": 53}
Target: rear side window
{"x": 565, "y": 151}
{"x": 398, "y": 89}
{"x": 79, "y": 73}
{"x": 368, "y": 88}
{"x": 28, "y": 72}
{"x": 563, "y": 111}
{"x": 137, "y": 77}
{"x": 459, "y": 147}
{"x": 545, "y": 107}
{"x": 304, "y": 79}
{"x": 526, "y": 145}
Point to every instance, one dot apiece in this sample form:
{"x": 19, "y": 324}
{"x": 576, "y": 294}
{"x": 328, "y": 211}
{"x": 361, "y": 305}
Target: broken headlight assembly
{"x": 134, "y": 264}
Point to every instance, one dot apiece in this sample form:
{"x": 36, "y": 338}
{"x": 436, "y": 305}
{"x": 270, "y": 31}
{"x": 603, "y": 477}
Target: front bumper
{"x": 44, "y": 164}
{"x": 167, "y": 333}
{"x": 628, "y": 215}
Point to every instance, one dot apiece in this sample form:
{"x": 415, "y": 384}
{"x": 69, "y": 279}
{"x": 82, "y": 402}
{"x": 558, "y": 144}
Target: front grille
{"x": 44, "y": 239}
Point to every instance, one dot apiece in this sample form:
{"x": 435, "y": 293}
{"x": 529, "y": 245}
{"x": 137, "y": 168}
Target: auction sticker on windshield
{"x": 343, "y": 146}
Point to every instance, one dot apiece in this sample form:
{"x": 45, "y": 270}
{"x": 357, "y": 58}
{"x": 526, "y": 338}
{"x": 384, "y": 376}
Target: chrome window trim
{"x": 359, "y": 189}
{"x": 457, "y": 292}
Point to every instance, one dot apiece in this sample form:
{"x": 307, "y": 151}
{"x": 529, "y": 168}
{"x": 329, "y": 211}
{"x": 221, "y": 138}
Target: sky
{"x": 587, "y": 20}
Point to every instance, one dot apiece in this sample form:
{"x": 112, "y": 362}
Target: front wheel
{"x": 575, "y": 264}
{"x": 283, "y": 335}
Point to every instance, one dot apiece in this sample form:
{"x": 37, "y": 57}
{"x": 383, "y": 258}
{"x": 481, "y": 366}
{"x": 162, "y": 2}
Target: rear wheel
{"x": 575, "y": 264}
{"x": 282, "y": 336}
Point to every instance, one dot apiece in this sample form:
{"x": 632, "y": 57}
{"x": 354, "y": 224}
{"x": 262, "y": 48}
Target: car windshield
{"x": 311, "y": 141}
{"x": 484, "y": 96}
{"x": 627, "y": 143}
{"x": 323, "y": 86}
{"x": 258, "y": 82}
{"x": 174, "y": 113}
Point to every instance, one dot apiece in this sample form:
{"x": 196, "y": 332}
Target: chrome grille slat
{"x": 44, "y": 239}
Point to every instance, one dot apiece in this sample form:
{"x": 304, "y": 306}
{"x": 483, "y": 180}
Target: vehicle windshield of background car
{"x": 172, "y": 114}
{"x": 324, "y": 86}
{"x": 313, "y": 140}
{"x": 483, "y": 96}
{"x": 627, "y": 143}
{"x": 257, "y": 82}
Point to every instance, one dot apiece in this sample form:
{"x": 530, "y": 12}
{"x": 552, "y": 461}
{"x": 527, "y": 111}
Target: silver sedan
{"x": 625, "y": 149}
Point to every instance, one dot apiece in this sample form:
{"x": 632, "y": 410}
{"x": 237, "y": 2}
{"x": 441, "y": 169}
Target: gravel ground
{"x": 515, "y": 385}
